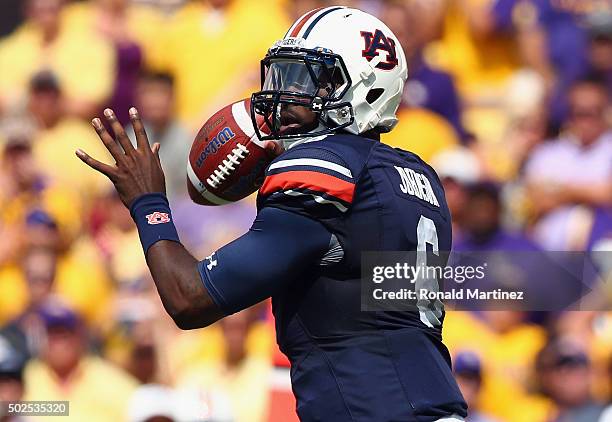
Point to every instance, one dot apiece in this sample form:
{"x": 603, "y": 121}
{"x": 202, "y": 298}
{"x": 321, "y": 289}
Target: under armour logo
{"x": 212, "y": 262}
{"x": 379, "y": 41}
{"x": 317, "y": 105}
{"x": 158, "y": 218}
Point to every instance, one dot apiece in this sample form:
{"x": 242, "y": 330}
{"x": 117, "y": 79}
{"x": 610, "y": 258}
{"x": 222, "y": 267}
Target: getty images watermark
{"x": 525, "y": 281}
{"x": 417, "y": 290}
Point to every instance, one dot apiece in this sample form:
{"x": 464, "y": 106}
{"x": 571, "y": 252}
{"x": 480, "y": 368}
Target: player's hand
{"x": 137, "y": 171}
{"x": 274, "y": 149}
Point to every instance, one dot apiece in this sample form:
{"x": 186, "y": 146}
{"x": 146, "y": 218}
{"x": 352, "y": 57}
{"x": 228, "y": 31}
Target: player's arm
{"x": 278, "y": 248}
{"x": 175, "y": 273}
{"x": 248, "y": 270}
{"x": 139, "y": 180}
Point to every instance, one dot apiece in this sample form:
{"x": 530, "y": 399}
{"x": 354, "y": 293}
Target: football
{"x": 227, "y": 161}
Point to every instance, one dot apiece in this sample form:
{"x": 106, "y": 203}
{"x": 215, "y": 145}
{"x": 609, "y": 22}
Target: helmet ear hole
{"x": 374, "y": 94}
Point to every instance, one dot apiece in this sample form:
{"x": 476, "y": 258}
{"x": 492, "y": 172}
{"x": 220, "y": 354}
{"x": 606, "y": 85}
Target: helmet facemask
{"x": 302, "y": 94}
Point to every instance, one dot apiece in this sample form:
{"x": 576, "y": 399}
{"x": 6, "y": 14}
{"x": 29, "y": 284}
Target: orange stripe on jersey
{"x": 311, "y": 180}
{"x": 303, "y": 21}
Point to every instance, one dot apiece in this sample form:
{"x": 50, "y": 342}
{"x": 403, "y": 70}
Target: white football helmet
{"x": 341, "y": 63}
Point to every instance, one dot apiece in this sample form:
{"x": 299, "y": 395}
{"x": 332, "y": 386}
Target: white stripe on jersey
{"x": 317, "y": 198}
{"x": 199, "y": 185}
{"x": 313, "y": 162}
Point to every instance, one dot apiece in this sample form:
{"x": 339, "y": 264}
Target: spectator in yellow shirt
{"x": 59, "y": 136}
{"x": 468, "y": 373}
{"x": 478, "y": 46}
{"x": 37, "y": 213}
{"x": 118, "y": 21}
{"x": 36, "y": 277}
{"x": 22, "y": 284}
{"x": 117, "y": 240}
{"x": 134, "y": 33}
{"x": 423, "y": 132}
{"x": 234, "y": 385}
{"x": 24, "y": 190}
{"x": 507, "y": 346}
{"x": 213, "y": 50}
{"x": 84, "y": 63}
{"x": 97, "y": 391}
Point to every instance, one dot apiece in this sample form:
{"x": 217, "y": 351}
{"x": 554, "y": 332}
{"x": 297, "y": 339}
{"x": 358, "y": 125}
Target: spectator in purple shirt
{"x": 129, "y": 64}
{"x": 569, "y": 178}
{"x": 601, "y": 229}
{"x": 567, "y": 45}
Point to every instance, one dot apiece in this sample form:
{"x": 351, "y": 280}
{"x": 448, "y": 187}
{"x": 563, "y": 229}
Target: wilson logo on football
{"x": 158, "y": 218}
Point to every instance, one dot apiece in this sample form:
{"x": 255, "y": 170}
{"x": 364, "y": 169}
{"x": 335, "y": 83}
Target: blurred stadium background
{"x": 508, "y": 99}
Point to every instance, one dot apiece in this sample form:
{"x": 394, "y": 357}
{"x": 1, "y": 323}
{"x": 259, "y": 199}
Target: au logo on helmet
{"x": 379, "y": 41}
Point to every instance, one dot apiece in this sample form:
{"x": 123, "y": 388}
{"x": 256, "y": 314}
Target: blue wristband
{"x": 152, "y": 215}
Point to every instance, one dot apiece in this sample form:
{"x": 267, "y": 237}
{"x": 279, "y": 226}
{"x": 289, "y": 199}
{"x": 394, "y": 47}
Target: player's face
{"x": 300, "y": 82}
{"x": 297, "y": 119}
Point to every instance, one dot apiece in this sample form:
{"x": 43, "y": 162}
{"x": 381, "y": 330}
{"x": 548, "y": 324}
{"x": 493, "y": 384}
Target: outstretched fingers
{"x": 105, "y": 169}
{"x": 120, "y": 134}
{"x": 107, "y": 140}
{"x": 142, "y": 141}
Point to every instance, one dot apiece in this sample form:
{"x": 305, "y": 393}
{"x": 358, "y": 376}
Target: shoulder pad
{"x": 310, "y": 176}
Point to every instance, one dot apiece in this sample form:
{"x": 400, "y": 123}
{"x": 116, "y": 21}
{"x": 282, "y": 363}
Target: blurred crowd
{"x": 508, "y": 99}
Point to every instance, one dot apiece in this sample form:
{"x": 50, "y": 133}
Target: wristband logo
{"x": 158, "y": 218}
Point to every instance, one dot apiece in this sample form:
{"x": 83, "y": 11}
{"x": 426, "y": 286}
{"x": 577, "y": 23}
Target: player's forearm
{"x": 173, "y": 268}
{"x": 180, "y": 287}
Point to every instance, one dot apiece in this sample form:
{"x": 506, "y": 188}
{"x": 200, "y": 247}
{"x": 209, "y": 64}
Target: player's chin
{"x": 291, "y": 129}
{"x": 294, "y": 128}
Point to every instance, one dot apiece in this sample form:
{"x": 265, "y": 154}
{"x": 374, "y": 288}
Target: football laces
{"x": 227, "y": 166}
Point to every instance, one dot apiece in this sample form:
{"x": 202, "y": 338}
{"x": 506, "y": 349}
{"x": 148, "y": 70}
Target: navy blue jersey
{"x": 322, "y": 204}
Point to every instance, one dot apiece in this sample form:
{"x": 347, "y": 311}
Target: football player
{"x": 330, "y": 88}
